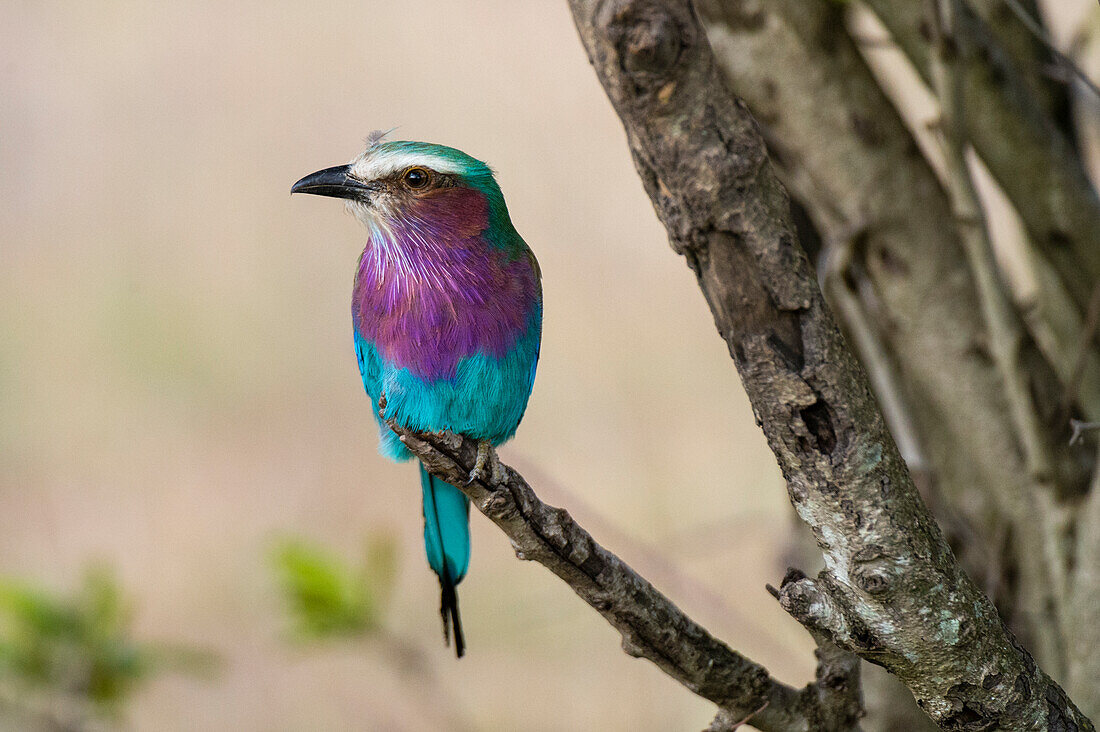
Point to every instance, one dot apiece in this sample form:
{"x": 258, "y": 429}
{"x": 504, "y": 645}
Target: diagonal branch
{"x": 1006, "y": 332}
{"x": 840, "y": 147}
{"x": 891, "y": 590}
{"x": 652, "y": 627}
{"x": 1021, "y": 144}
{"x": 1005, "y": 327}
{"x": 894, "y": 274}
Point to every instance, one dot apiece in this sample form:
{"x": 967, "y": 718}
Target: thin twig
{"x": 1034, "y": 28}
{"x": 1080, "y": 428}
{"x": 652, "y": 627}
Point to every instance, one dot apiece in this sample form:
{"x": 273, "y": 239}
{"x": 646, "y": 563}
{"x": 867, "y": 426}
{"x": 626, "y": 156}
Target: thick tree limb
{"x": 841, "y": 147}
{"x": 652, "y": 627}
{"x": 875, "y": 200}
{"x": 891, "y": 590}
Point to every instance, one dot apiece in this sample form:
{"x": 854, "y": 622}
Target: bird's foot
{"x": 486, "y": 464}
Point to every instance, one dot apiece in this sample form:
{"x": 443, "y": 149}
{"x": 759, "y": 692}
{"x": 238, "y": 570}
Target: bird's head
{"x": 398, "y": 181}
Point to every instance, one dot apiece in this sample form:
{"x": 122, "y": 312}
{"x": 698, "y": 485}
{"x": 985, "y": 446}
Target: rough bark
{"x": 842, "y": 150}
{"x": 891, "y": 590}
{"x": 652, "y": 627}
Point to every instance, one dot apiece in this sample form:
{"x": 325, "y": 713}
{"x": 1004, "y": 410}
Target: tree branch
{"x": 1006, "y": 331}
{"x": 1025, "y": 151}
{"x": 652, "y": 627}
{"x": 891, "y": 590}
{"x": 1040, "y": 67}
{"x": 842, "y": 149}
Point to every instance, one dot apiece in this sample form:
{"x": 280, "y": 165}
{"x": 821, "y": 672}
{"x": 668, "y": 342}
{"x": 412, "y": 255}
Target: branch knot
{"x": 647, "y": 39}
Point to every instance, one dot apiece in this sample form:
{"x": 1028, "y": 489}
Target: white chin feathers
{"x": 373, "y": 215}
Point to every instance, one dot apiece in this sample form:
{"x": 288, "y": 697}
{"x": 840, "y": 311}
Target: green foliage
{"x": 78, "y": 648}
{"x": 329, "y": 598}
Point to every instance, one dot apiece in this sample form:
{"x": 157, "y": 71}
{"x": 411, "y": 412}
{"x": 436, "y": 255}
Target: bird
{"x": 447, "y": 319}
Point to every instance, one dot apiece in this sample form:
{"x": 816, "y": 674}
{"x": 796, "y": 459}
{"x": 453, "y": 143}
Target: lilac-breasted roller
{"x": 447, "y": 314}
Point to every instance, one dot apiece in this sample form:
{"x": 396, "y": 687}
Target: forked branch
{"x": 891, "y": 591}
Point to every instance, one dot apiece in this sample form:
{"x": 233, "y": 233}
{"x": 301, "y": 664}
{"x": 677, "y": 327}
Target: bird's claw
{"x": 486, "y": 464}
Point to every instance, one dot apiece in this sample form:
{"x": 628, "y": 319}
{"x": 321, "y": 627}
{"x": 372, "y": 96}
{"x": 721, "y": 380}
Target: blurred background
{"x": 189, "y": 488}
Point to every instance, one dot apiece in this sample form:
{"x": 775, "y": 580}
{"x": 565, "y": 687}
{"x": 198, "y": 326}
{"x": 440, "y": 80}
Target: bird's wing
{"x": 370, "y": 368}
{"x": 535, "y": 266}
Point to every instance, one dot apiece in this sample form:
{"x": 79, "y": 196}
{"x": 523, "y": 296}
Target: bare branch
{"x": 842, "y": 148}
{"x": 891, "y": 590}
{"x": 652, "y": 627}
{"x": 1006, "y": 332}
{"x": 1017, "y": 139}
{"x": 1036, "y": 29}
{"x": 1080, "y": 428}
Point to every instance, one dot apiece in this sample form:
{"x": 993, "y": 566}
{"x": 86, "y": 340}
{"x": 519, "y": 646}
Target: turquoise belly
{"x": 485, "y": 399}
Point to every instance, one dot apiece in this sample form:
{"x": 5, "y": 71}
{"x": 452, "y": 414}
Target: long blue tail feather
{"x": 447, "y": 543}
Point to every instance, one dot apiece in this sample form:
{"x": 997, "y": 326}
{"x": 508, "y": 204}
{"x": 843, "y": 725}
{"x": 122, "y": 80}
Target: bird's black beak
{"x": 336, "y": 182}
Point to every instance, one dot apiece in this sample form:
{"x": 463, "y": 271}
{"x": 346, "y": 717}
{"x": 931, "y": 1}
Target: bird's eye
{"x": 416, "y": 177}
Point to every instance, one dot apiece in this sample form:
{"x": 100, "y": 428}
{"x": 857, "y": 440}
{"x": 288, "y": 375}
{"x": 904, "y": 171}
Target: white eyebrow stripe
{"x": 379, "y": 165}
